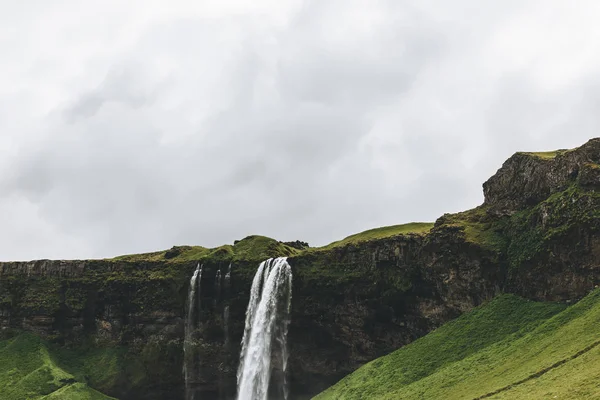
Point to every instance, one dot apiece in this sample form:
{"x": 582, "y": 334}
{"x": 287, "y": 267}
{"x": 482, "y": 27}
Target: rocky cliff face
{"x": 526, "y": 179}
{"x": 547, "y": 207}
{"x": 537, "y": 235}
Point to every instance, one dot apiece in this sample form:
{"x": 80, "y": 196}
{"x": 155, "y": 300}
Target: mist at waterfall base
{"x": 264, "y": 355}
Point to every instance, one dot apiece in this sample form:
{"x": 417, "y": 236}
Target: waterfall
{"x": 227, "y": 286}
{"x": 264, "y": 344}
{"x": 226, "y": 325}
{"x": 228, "y": 276}
{"x": 190, "y": 326}
{"x": 217, "y": 288}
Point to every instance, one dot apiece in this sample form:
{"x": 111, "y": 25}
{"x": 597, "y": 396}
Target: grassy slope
{"x": 381, "y": 233}
{"x": 29, "y": 369}
{"x": 546, "y": 155}
{"x": 506, "y": 342}
{"x": 478, "y": 226}
{"x": 251, "y": 248}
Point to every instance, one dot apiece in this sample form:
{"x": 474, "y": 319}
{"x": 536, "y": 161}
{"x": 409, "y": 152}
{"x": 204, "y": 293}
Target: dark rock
{"x": 526, "y": 179}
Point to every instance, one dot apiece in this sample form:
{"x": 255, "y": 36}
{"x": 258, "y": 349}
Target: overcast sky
{"x": 135, "y": 126}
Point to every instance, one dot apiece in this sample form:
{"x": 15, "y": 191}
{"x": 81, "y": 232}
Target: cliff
{"x": 537, "y": 235}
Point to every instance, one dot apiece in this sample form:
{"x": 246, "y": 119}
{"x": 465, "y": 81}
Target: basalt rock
{"x": 526, "y": 179}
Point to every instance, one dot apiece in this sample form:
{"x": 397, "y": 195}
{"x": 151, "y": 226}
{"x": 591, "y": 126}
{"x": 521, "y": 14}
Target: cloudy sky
{"x": 135, "y": 126}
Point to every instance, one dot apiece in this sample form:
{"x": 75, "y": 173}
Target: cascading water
{"x": 228, "y": 275}
{"x": 217, "y": 296}
{"x": 227, "y": 286}
{"x": 190, "y": 326}
{"x": 264, "y": 346}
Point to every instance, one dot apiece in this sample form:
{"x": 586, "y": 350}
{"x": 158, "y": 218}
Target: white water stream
{"x": 191, "y": 324}
{"x": 264, "y": 345}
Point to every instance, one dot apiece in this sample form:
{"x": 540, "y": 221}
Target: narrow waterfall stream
{"x": 264, "y": 345}
{"x": 227, "y": 286}
{"x": 217, "y": 296}
{"x": 191, "y": 323}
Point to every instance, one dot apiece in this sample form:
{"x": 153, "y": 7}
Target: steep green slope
{"x": 29, "y": 369}
{"x": 507, "y": 349}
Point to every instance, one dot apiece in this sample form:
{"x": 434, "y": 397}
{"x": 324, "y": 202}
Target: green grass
{"x": 547, "y": 155}
{"x": 564, "y": 214}
{"x": 258, "y": 247}
{"x": 479, "y": 228}
{"x": 30, "y": 369}
{"x": 507, "y": 349}
{"x": 251, "y": 248}
{"x": 184, "y": 253}
{"x": 381, "y": 233}
{"x": 505, "y": 316}
{"x": 76, "y": 391}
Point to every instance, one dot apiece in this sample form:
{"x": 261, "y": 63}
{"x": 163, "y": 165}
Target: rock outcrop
{"x": 537, "y": 235}
{"x": 526, "y": 179}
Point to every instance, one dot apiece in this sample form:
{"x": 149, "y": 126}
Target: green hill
{"x": 381, "y": 233}
{"x": 510, "y": 348}
{"x": 30, "y": 369}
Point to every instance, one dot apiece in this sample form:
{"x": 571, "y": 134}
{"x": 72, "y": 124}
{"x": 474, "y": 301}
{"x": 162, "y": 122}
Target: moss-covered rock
{"x": 526, "y": 179}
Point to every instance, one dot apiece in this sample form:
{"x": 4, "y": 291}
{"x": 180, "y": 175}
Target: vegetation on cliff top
{"x": 546, "y": 155}
{"x": 479, "y": 227}
{"x": 507, "y": 349}
{"x": 251, "y": 248}
{"x": 258, "y": 248}
{"x": 382, "y": 233}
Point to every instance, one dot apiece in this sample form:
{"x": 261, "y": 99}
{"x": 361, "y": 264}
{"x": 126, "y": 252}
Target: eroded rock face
{"x": 537, "y": 235}
{"x": 526, "y": 179}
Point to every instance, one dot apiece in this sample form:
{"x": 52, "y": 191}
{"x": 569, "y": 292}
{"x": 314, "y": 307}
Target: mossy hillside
{"x": 362, "y": 262}
{"x": 523, "y": 238}
{"x": 477, "y": 226}
{"x": 548, "y": 155}
{"x": 414, "y": 228}
{"x": 502, "y": 317}
{"x": 252, "y": 248}
{"x": 76, "y": 391}
{"x": 525, "y": 364}
{"x": 565, "y": 218}
{"x": 30, "y": 368}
